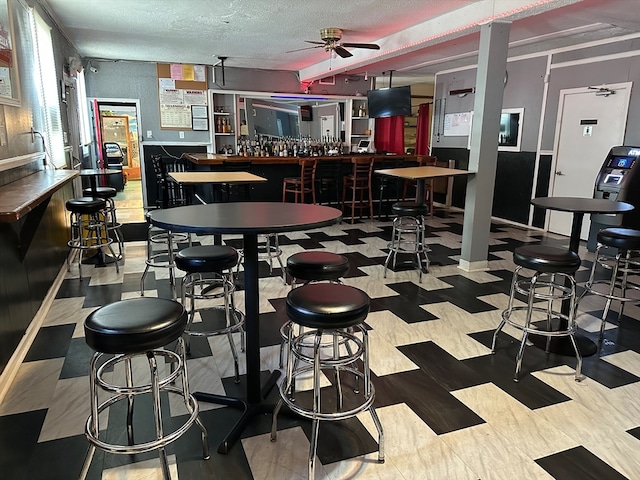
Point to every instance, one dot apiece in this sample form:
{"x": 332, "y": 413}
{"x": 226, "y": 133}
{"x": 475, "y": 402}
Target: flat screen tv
{"x": 306, "y": 114}
{"x": 389, "y": 102}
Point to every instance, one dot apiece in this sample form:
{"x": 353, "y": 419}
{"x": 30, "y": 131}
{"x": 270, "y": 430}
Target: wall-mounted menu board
{"x": 180, "y": 87}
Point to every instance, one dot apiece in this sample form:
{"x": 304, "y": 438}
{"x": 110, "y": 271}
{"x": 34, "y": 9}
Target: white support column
{"x": 492, "y": 61}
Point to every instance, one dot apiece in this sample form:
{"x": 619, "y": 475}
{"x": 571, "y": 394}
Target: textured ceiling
{"x": 417, "y": 37}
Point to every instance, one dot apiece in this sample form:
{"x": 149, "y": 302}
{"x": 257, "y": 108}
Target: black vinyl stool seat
{"x": 307, "y": 267}
{"x": 407, "y": 235}
{"x": 108, "y": 194}
{"x": 89, "y": 230}
{"x": 124, "y": 331}
{"x": 209, "y": 276}
{"x": 85, "y": 205}
{"x": 206, "y": 258}
{"x": 546, "y": 259}
{"x": 410, "y": 209}
{"x": 101, "y": 192}
{"x": 317, "y": 266}
{"x": 624, "y": 263}
{"x": 553, "y": 281}
{"x": 335, "y": 311}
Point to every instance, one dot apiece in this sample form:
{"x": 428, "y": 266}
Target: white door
{"x": 328, "y": 127}
{"x": 590, "y": 122}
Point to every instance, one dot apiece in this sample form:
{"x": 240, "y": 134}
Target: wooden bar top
{"x": 217, "y": 159}
{"x": 21, "y": 196}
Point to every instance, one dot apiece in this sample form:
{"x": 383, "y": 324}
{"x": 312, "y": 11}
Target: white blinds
{"x": 83, "y": 111}
{"x": 45, "y": 68}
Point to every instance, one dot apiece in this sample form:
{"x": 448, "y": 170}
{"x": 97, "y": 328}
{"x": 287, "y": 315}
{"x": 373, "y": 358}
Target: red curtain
{"x": 389, "y": 135}
{"x": 422, "y": 130}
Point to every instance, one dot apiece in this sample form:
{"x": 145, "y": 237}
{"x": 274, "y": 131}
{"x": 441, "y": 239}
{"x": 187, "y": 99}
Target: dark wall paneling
{"x": 542, "y": 189}
{"x": 26, "y": 276}
{"x": 461, "y": 156}
{"x": 514, "y": 183}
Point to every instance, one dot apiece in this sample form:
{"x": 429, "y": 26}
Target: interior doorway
{"x": 116, "y": 121}
{"x": 590, "y": 122}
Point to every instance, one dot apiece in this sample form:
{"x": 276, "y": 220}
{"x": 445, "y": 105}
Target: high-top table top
{"x": 215, "y": 177}
{"x": 89, "y": 172}
{"x": 244, "y": 217}
{"x": 583, "y": 205}
{"x": 415, "y": 173}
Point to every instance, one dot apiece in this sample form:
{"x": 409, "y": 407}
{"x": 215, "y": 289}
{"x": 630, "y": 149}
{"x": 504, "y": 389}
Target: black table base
{"x": 100, "y": 259}
{"x": 563, "y": 346}
{"x": 249, "y": 410}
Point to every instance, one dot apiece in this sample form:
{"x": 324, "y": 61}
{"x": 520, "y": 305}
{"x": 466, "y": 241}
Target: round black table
{"x": 249, "y": 219}
{"x": 578, "y": 207}
{"x": 94, "y": 173}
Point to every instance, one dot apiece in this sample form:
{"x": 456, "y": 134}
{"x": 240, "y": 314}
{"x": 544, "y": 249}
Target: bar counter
{"x": 217, "y": 159}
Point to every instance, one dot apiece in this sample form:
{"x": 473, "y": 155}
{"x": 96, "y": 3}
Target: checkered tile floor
{"x": 449, "y": 408}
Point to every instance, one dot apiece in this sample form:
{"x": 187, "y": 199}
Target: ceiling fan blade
{"x": 317, "y": 43}
{"x": 342, "y": 52}
{"x": 371, "y": 46}
{"x": 305, "y": 48}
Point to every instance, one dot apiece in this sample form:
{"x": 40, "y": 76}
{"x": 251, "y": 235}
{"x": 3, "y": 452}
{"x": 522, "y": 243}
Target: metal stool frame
{"x": 623, "y": 264}
{"x": 541, "y": 286}
{"x": 208, "y": 285}
{"x": 96, "y": 236}
{"x": 128, "y": 392}
{"x": 407, "y": 236}
{"x": 337, "y": 362}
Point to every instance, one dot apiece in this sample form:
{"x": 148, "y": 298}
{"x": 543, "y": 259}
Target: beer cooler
{"x": 618, "y": 179}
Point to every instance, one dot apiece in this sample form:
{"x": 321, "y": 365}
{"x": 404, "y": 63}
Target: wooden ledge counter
{"x": 21, "y": 196}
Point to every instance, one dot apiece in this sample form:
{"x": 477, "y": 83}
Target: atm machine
{"x": 618, "y": 179}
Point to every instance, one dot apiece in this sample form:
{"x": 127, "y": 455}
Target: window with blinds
{"x": 45, "y": 69}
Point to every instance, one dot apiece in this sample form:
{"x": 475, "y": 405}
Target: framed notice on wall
{"x": 457, "y": 124}
{"x": 182, "y": 87}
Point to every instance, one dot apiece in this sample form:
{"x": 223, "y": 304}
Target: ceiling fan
{"x": 331, "y": 42}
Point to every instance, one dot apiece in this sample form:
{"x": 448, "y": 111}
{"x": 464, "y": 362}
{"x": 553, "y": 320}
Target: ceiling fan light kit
{"x": 331, "y": 43}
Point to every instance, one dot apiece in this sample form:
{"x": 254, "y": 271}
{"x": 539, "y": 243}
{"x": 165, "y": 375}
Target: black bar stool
{"x": 209, "y": 276}
{"x": 330, "y": 310}
{"x": 407, "y": 235}
{"x": 123, "y": 331}
{"x": 626, "y": 262}
{"x": 88, "y": 228}
{"x": 552, "y": 281}
{"x": 108, "y": 194}
{"x": 307, "y": 267}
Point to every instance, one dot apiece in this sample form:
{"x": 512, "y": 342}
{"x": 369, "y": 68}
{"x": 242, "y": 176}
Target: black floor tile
{"x": 449, "y": 372}
{"x": 76, "y": 362}
{"x": 578, "y": 463}
{"x": 62, "y": 459}
{"x": 18, "y": 436}
{"x": 99, "y": 295}
{"x": 427, "y": 399}
{"x": 635, "y": 432}
{"x": 51, "y": 342}
{"x": 402, "y": 307}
